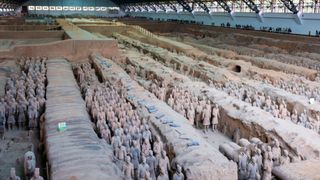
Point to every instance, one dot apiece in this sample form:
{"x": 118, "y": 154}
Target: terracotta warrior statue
{"x": 253, "y": 172}
{"x": 127, "y": 169}
{"x": 285, "y": 159}
{"x": 143, "y": 169}
{"x": 178, "y": 175}
{"x": 267, "y": 164}
{"x": 36, "y": 175}
{"x": 13, "y": 175}
{"x": 215, "y": 117}
{"x": 242, "y": 165}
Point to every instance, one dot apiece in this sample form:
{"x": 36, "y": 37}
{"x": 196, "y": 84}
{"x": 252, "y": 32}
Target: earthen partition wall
{"x": 31, "y": 34}
{"x": 72, "y": 50}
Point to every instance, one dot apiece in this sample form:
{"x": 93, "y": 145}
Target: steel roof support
{"x": 290, "y": 5}
{"x": 185, "y": 5}
{"x": 252, "y": 5}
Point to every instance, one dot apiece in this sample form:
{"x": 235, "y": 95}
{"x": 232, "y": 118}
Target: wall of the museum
{"x": 309, "y": 22}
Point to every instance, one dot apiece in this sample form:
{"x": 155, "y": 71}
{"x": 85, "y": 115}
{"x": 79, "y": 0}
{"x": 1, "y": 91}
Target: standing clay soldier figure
{"x": 178, "y": 175}
{"x": 32, "y": 115}
{"x": 115, "y": 142}
{"x": 294, "y": 116}
{"x": 13, "y": 175}
{"x": 206, "y": 118}
{"x": 198, "y": 114}
{"x": 121, "y": 152}
{"x": 146, "y": 147}
{"x": 171, "y": 101}
{"x": 303, "y": 118}
{"x": 164, "y": 163}
{"x": 2, "y": 119}
{"x": 29, "y": 164}
{"x": 285, "y": 159}
{"x": 236, "y": 135}
{"x": 11, "y": 113}
{"x": 36, "y": 175}
{"x": 162, "y": 93}
{"x": 162, "y": 175}
{"x": 253, "y": 172}
{"x": 21, "y": 115}
{"x": 190, "y": 115}
{"x": 151, "y": 161}
{"x": 242, "y": 165}
{"x": 215, "y": 117}
{"x": 267, "y": 164}
{"x": 127, "y": 169}
{"x": 276, "y": 152}
{"x": 258, "y": 158}
{"x": 135, "y": 153}
{"x": 157, "y": 145}
{"x": 143, "y": 169}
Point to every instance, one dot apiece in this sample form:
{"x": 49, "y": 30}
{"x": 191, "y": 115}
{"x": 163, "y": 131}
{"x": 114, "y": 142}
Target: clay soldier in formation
{"x": 317, "y": 124}
{"x": 2, "y": 126}
{"x": 285, "y": 159}
{"x": 11, "y": 108}
{"x": 121, "y": 152}
{"x": 106, "y": 134}
{"x": 215, "y": 117}
{"x": 143, "y": 169}
{"x": 157, "y": 145}
{"x": 147, "y": 134}
{"x": 41, "y": 101}
{"x": 164, "y": 162}
{"x": 151, "y": 161}
{"x": 146, "y": 147}
{"x": 32, "y": 115}
{"x": 21, "y": 114}
{"x": 178, "y": 175}
{"x": 253, "y": 172}
{"x": 30, "y": 164}
{"x": 258, "y": 158}
{"x": 236, "y": 135}
{"x": 242, "y": 165}
{"x": 275, "y": 111}
{"x": 115, "y": 142}
{"x": 198, "y": 114}
{"x": 162, "y": 96}
{"x": 190, "y": 115}
{"x": 276, "y": 152}
{"x": 127, "y": 169}
{"x": 2, "y": 108}
{"x": 162, "y": 175}
{"x": 267, "y": 164}
{"x": 13, "y": 175}
{"x": 303, "y": 118}
{"x": 36, "y": 175}
{"x": 2, "y": 118}
{"x": 206, "y": 118}
{"x": 294, "y": 116}
{"x": 135, "y": 154}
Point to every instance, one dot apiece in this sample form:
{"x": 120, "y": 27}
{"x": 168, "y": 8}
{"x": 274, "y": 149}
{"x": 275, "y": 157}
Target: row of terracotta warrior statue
{"x": 24, "y": 99}
{"x": 138, "y": 151}
{"x": 22, "y": 106}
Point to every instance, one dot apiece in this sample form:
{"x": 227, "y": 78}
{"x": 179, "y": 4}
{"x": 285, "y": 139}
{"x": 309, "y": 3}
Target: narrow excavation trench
{"x": 22, "y": 110}
{"x": 123, "y": 125}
